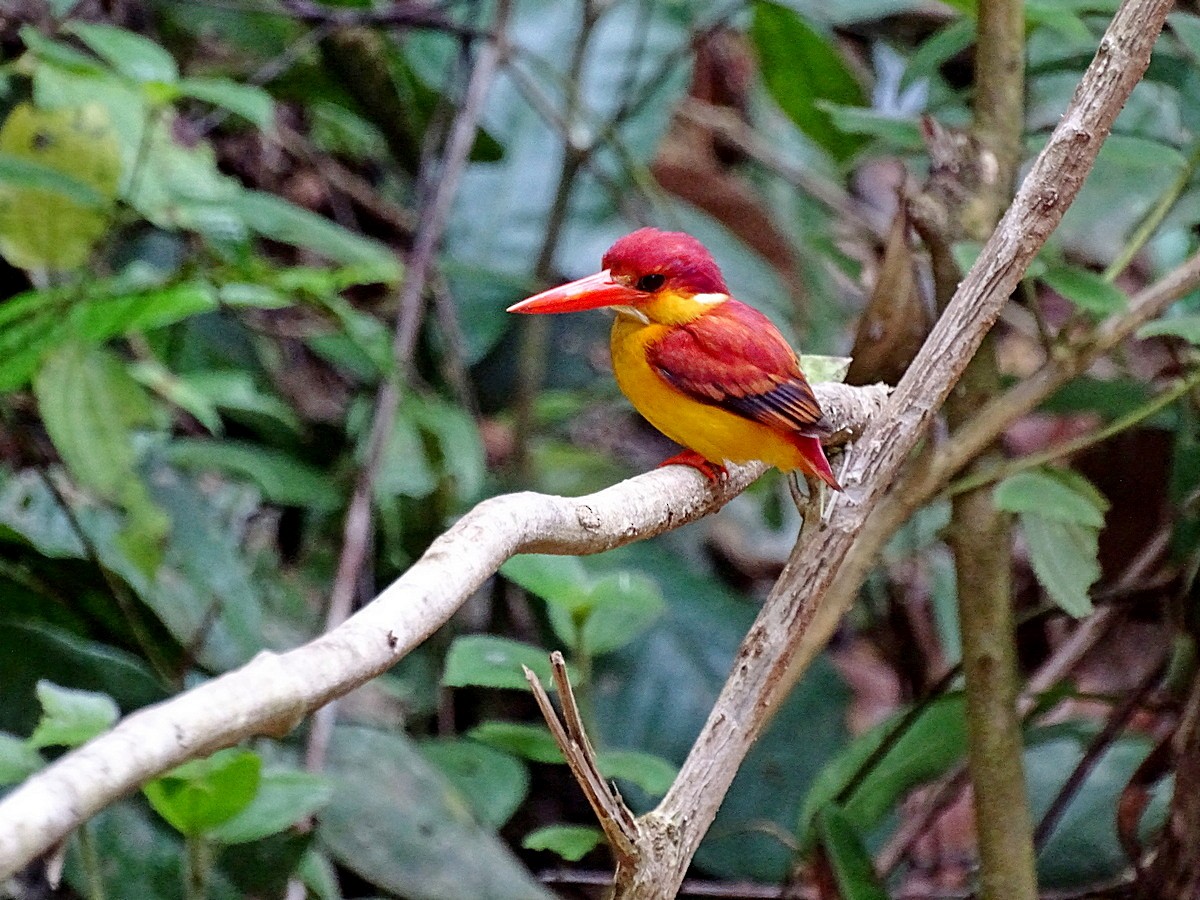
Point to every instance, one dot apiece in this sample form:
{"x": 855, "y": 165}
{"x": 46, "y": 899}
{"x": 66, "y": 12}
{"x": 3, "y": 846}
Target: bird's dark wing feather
{"x": 734, "y": 358}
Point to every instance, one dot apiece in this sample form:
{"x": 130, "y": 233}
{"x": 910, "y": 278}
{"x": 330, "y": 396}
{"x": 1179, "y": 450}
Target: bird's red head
{"x": 638, "y": 269}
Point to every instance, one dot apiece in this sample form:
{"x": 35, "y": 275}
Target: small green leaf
{"x": 532, "y": 742}
{"x": 1087, "y": 290}
{"x": 622, "y": 606}
{"x": 136, "y": 57}
{"x": 651, "y": 773}
{"x": 802, "y": 67}
{"x": 1186, "y": 327}
{"x": 562, "y": 582}
{"x": 249, "y": 101}
{"x": 571, "y": 842}
{"x": 825, "y": 368}
{"x": 483, "y": 660}
{"x": 204, "y": 793}
{"x": 18, "y": 760}
{"x": 1058, "y": 494}
{"x": 275, "y": 218}
{"x": 898, "y": 134}
{"x": 493, "y": 782}
{"x": 283, "y": 798}
{"x": 1186, "y": 27}
{"x": 852, "y": 867}
{"x": 71, "y": 717}
{"x": 1064, "y": 557}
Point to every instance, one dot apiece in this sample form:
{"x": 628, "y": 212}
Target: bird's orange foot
{"x": 710, "y": 470}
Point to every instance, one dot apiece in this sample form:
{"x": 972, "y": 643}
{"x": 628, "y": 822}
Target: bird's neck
{"x": 672, "y": 309}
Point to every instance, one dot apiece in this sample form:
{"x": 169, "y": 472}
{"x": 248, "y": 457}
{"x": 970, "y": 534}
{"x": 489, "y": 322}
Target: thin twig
{"x": 1113, "y": 726}
{"x": 356, "y": 536}
{"x": 616, "y": 819}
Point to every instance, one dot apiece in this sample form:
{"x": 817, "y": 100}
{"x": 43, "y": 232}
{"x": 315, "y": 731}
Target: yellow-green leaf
{"x": 43, "y": 226}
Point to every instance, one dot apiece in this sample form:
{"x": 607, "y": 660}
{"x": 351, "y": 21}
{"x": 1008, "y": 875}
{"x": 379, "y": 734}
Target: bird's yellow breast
{"x": 716, "y": 434}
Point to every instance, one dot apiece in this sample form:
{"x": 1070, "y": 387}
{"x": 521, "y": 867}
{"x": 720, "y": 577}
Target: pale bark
{"x": 273, "y": 692}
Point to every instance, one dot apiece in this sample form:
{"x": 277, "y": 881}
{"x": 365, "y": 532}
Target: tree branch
{"x": 761, "y": 675}
{"x": 273, "y": 692}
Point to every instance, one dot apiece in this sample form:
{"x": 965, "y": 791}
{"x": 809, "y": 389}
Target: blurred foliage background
{"x": 206, "y": 207}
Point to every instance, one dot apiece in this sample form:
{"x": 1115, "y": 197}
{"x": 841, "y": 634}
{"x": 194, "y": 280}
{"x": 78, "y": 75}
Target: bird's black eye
{"x": 650, "y": 283}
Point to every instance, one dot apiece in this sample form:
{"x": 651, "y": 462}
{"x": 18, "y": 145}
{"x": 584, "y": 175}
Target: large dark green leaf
{"x": 138, "y": 855}
{"x": 30, "y": 651}
{"x": 395, "y": 822}
{"x": 282, "y": 478}
{"x": 1084, "y": 849}
{"x": 493, "y": 782}
{"x": 803, "y": 70}
{"x": 931, "y": 744}
{"x": 655, "y": 694}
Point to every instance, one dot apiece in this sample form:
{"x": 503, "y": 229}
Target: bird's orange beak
{"x": 592, "y": 292}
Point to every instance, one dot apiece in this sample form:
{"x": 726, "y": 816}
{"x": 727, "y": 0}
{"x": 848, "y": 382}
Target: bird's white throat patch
{"x": 632, "y": 313}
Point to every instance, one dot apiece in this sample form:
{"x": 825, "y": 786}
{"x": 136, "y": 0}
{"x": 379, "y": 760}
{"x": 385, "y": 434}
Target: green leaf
{"x": 18, "y": 759}
{"x": 651, "y": 773}
{"x": 139, "y": 856}
{"x": 30, "y": 652}
{"x": 136, "y": 57}
{"x": 532, "y": 742}
{"x": 279, "y": 220}
{"x": 282, "y": 478}
{"x": 202, "y": 794}
{"x": 802, "y": 67}
{"x": 89, "y": 405}
{"x": 1185, "y": 326}
{"x": 571, "y": 842}
{"x": 236, "y": 393}
{"x": 1186, "y": 27}
{"x": 622, "y": 606}
{"x": 1084, "y": 848}
{"x": 898, "y": 134}
{"x": 249, "y": 101}
{"x": 283, "y": 798}
{"x": 1064, "y": 557}
{"x": 484, "y": 660}
{"x": 395, "y": 822}
{"x": 929, "y": 747}
{"x": 43, "y": 227}
{"x": 655, "y": 693}
{"x": 319, "y": 875}
{"x": 152, "y": 374}
{"x": 852, "y": 867}
{"x": 493, "y": 782}
{"x": 560, "y": 580}
{"x": 1058, "y": 494}
{"x": 71, "y": 717}
{"x": 27, "y": 173}
{"x": 1087, "y": 290}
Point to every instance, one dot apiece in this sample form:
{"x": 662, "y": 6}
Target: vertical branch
{"x": 979, "y": 534}
{"x": 534, "y": 334}
{"x": 356, "y": 535}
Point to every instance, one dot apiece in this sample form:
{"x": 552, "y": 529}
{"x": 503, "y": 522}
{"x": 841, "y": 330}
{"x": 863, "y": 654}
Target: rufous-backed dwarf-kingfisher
{"x": 708, "y": 371}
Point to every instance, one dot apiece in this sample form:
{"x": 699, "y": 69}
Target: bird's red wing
{"x": 734, "y": 358}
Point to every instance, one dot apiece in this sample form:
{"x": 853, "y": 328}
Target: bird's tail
{"x": 813, "y": 461}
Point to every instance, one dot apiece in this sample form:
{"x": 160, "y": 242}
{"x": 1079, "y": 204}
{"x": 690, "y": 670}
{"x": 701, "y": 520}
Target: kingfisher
{"x": 711, "y": 373}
